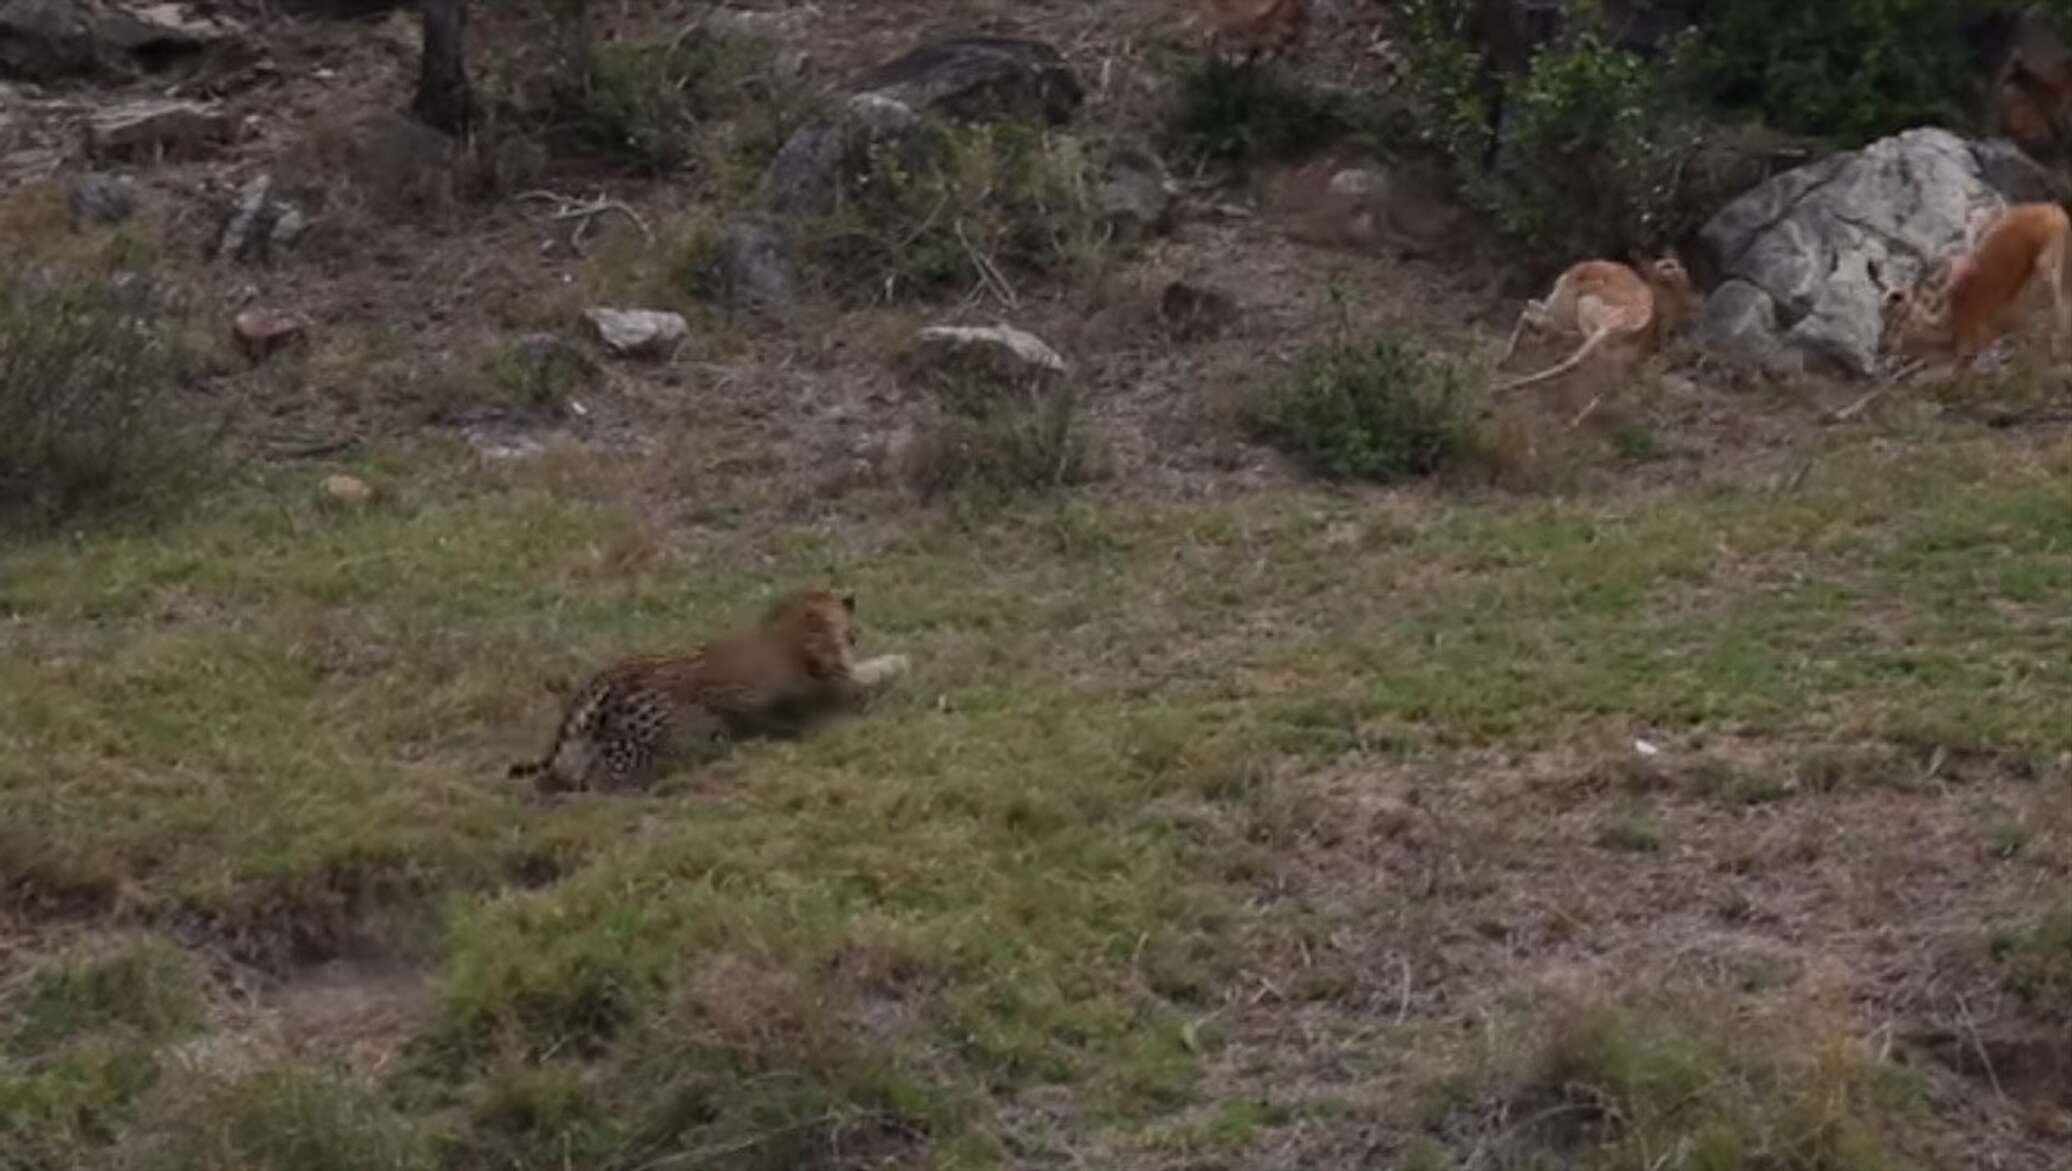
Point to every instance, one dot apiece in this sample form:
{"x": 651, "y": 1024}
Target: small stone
{"x": 1004, "y": 340}
{"x": 638, "y": 333}
{"x": 96, "y": 198}
{"x": 260, "y": 332}
{"x": 349, "y": 490}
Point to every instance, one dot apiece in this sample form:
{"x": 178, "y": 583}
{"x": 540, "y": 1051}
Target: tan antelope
{"x": 1612, "y": 307}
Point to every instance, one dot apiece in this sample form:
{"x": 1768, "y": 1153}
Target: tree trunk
{"x": 442, "y": 79}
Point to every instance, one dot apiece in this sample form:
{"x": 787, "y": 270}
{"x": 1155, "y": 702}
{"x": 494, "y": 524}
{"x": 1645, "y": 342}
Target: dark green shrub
{"x": 1377, "y": 412}
{"x": 1596, "y": 138}
{"x": 630, "y": 101}
{"x": 1849, "y": 69}
{"x": 1232, "y": 113}
{"x": 85, "y": 373}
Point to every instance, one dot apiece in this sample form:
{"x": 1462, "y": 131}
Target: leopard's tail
{"x": 528, "y": 768}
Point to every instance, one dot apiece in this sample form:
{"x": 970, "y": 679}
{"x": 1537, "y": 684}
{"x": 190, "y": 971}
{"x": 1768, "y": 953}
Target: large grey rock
{"x": 980, "y": 78}
{"x": 809, "y": 167}
{"x": 972, "y": 79}
{"x": 257, "y": 223}
{"x": 1803, "y": 260}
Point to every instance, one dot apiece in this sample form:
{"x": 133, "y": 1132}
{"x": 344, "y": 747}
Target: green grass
{"x": 280, "y": 728}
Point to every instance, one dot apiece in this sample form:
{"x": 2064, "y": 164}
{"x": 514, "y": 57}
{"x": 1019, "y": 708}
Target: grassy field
{"x": 1291, "y": 825}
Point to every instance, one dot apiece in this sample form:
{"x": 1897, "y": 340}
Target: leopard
{"x": 794, "y": 669}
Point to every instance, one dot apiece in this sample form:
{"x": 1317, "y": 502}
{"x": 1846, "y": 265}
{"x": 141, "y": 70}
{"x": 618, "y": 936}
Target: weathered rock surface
{"x": 154, "y": 127}
{"x": 973, "y": 78}
{"x": 1005, "y": 348}
{"x": 638, "y": 333}
{"x": 1803, "y": 261}
{"x": 258, "y": 223}
{"x": 43, "y": 40}
{"x": 261, "y": 332}
{"x": 95, "y": 198}
{"x": 1136, "y": 193}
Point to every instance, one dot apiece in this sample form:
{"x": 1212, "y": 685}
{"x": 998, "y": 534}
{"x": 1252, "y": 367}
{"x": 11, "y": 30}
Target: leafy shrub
{"x": 1595, "y": 138}
{"x": 1233, "y": 113}
{"x": 1597, "y": 142}
{"x": 1851, "y": 69}
{"x": 83, "y": 375}
{"x": 1377, "y": 412}
{"x": 957, "y": 206}
{"x": 149, "y": 988}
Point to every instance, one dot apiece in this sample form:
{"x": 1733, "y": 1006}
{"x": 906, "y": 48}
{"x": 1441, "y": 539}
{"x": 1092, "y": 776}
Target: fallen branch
{"x": 584, "y": 211}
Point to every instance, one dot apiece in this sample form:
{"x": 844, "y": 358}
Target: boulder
{"x": 44, "y": 40}
{"x": 1136, "y": 193}
{"x": 260, "y": 332}
{"x": 971, "y": 357}
{"x": 257, "y": 223}
{"x": 155, "y": 128}
{"x": 980, "y": 78}
{"x": 638, "y": 333}
{"x": 972, "y": 79}
{"x": 809, "y": 166}
{"x": 1802, "y": 262}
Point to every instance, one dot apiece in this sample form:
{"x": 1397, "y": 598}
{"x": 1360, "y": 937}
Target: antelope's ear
{"x": 849, "y": 603}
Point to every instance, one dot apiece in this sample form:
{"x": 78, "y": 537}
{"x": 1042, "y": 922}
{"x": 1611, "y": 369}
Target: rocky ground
{"x": 1684, "y": 790}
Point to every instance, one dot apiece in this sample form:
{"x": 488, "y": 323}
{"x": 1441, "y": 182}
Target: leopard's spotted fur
{"x": 793, "y": 668}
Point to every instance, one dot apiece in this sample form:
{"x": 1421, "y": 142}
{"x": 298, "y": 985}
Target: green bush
{"x": 1377, "y": 412}
{"x": 1596, "y": 138}
{"x": 1233, "y": 113}
{"x": 636, "y": 102}
{"x": 1849, "y": 69}
{"x": 84, "y": 376}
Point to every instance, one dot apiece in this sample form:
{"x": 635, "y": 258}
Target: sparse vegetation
{"x": 959, "y": 206}
{"x": 1225, "y": 817}
{"x": 1378, "y": 411}
{"x": 2037, "y": 960}
{"x": 86, "y": 378}
{"x": 632, "y": 101}
{"x": 1615, "y": 1085}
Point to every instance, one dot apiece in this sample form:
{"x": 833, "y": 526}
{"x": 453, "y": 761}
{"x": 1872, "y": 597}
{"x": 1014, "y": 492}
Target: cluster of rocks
{"x": 1797, "y": 266}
